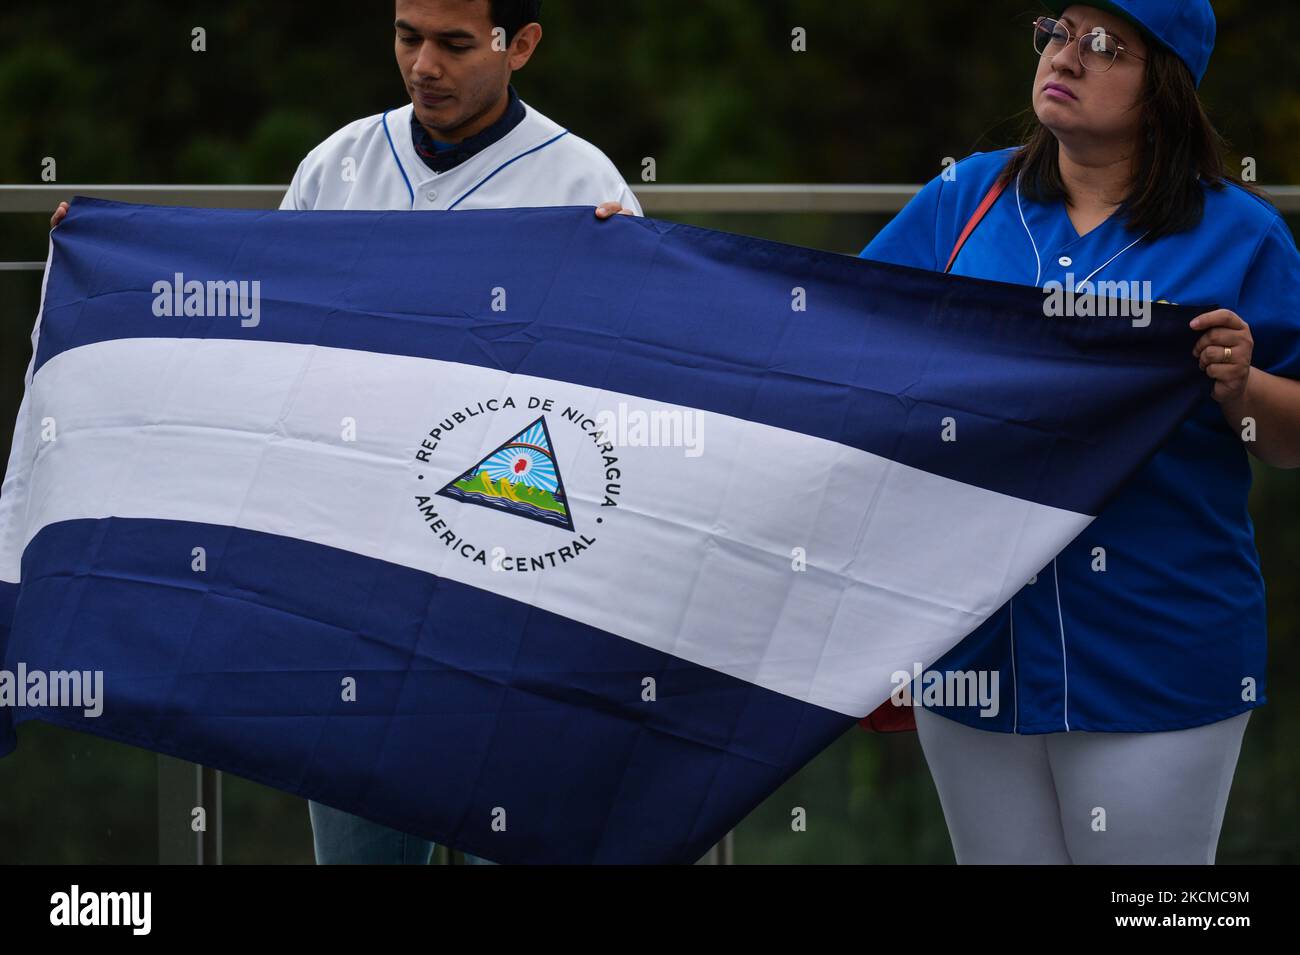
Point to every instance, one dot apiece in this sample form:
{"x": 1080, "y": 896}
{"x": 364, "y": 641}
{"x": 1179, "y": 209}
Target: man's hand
{"x": 607, "y": 209}
{"x": 59, "y": 213}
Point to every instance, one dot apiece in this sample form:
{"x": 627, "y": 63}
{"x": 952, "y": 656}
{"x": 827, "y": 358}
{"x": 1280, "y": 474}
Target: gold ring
{"x": 1227, "y": 354}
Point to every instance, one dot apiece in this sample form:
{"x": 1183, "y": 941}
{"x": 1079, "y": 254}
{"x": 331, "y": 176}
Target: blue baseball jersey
{"x": 1153, "y": 619}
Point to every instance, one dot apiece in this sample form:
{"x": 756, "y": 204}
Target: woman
{"x": 1129, "y": 666}
{"x": 1128, "y": 669}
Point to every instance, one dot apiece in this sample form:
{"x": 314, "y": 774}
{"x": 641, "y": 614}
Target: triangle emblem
{"x": 521, "y": 478}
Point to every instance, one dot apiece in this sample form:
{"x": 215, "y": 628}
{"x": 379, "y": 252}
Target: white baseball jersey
{"x": 372, "y": 164}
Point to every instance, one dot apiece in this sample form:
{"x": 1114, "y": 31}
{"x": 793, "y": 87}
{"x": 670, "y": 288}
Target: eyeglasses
{"x": 1098, "y": 50}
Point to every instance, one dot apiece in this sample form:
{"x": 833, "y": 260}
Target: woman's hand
{"x": 59, "y": 213}
{"x": 1225, "y": 352}
{"x": 607, "y": 209}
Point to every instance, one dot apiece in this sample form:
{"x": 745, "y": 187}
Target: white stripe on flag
{"x": 696, "y": 559}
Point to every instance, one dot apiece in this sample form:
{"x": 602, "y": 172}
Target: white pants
{"x": 1084, "y": 798}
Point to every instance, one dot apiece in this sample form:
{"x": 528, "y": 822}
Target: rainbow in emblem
{"x": 521, "y": 477}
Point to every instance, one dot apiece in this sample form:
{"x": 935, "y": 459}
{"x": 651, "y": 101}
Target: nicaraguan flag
{"x": 545, "y": 538}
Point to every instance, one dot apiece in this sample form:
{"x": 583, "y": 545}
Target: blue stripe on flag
{"x": 240, "y": 668}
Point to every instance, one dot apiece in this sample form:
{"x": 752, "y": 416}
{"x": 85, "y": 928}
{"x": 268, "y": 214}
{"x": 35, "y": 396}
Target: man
{"x": 465, "y": 141}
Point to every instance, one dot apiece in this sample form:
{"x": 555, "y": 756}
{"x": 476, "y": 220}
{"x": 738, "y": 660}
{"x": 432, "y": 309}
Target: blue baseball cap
{"x": 1184, "y": 27}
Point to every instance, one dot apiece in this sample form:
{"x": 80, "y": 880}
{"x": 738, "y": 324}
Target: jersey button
{"x": 431, "y": 195}
{"x": 1066, "y": 261}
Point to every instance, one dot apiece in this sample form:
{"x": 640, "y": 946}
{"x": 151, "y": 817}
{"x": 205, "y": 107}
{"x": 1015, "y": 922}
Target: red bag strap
{"x": 888, "y": 718}
{"x": 999, "y": 187}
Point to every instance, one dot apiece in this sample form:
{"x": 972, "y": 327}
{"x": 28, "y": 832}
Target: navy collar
{"x": 441, "y": 157}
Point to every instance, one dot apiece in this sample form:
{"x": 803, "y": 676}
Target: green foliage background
{"x": 712, "y": 91}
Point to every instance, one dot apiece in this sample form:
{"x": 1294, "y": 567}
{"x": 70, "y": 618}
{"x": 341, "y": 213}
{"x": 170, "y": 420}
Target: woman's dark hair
{"x": 1178, "y": 151}
{"x": 514, "y": 15}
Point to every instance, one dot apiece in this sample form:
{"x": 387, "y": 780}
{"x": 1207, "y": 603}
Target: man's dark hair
{"x": 514, "y": 15}
{"x": 1179, "y": 149}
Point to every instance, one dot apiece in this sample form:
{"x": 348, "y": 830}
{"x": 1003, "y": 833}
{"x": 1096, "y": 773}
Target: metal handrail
{"x": 655, "y": 198}
{"x": 842, "y": 198}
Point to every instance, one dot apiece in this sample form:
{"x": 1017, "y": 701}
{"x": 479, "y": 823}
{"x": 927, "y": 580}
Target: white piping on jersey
{"x": 397, "y": 159}
{"x": 1065, "y": 667}
{"x": 1060, "y": 616}
{"x": 483, "y": 181}
{"x": 1039, "y": 277}
{"x": 1039, "y": 259}
{"x": 1115, "y": 256}
{"x": 473, "y": 189}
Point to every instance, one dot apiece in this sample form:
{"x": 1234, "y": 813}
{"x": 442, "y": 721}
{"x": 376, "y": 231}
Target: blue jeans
{"x": 341, "y": 838}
